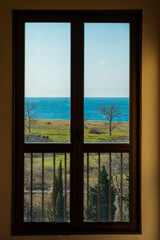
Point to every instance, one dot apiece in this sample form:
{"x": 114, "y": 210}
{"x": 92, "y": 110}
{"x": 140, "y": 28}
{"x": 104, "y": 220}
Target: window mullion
{"x": 77, "y": 121}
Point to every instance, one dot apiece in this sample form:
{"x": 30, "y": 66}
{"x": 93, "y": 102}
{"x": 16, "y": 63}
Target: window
{"x": 76, "y": 122}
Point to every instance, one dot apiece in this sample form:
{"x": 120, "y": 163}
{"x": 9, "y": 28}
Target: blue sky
{"x": 47, "y": 59}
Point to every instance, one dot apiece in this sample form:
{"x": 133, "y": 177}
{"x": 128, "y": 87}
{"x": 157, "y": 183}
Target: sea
{"x": 59, "y": 108}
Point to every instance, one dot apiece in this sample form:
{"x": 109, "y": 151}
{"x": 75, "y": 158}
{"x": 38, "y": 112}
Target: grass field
{"x": 94, "y": 131}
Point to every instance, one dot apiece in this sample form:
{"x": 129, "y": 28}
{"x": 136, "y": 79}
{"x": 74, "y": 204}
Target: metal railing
{"x": 106, "y": 187}
{"x": 114, "y": 199}
{"x": 56, "y": 185}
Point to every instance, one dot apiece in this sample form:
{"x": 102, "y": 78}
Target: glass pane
{"x": 47, "y": 82}
{"x": 37, "y": 188}
{"x": 47, "y": 187}
{"x": 125, "y": 188}
{"x": 27, "y": 187}
{"x": 106, "y": 82}
{"x": 106, "y": 187}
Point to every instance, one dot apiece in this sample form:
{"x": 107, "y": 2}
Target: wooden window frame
{"x": 76, "y": 147}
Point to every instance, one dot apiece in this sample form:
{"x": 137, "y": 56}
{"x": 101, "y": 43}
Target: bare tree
{"x": 110, "y": 113}
{"x": 30, "y": 114}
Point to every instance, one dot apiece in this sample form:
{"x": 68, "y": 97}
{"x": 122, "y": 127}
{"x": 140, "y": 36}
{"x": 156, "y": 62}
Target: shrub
{"x": 94, "y": 131}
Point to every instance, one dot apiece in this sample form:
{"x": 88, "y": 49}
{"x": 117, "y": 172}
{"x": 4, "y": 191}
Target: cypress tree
{"x": 60, "y": 199}
{"x": 57, "y": 205}
{"x": 104, "y": 199}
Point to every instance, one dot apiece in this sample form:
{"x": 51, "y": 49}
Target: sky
{"x": 48, "y": 59}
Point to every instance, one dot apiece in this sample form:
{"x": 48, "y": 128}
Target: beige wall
{"x": 150, "y": 110}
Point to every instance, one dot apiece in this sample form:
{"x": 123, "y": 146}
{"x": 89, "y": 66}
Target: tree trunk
{"x": 110, "y": 128}
{"x": 29, "y": 126}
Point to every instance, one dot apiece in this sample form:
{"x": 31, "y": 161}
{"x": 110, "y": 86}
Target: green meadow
{"x": 59, "y": 131}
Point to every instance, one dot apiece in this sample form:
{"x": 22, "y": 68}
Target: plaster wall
{"x": 149, "y": 113}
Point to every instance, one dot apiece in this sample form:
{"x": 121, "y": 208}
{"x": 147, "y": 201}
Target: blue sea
{"x": 59, "y": 108}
